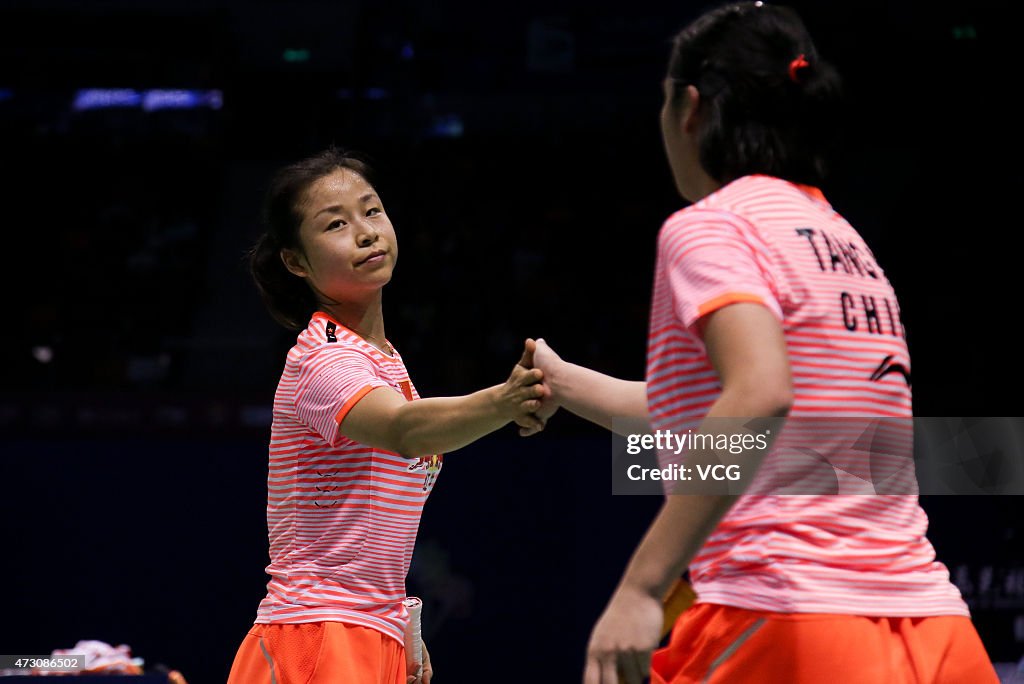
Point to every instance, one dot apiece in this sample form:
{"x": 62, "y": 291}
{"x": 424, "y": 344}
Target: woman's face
{"x": 349, "y": 248}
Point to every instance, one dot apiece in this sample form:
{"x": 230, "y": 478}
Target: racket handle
{"x": 414, "y": 634}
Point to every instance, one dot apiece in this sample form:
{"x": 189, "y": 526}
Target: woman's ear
{"x": 294, "y": 262}
{"x": 691, "y": 108}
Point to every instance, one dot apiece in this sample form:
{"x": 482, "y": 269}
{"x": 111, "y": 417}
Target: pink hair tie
{"x": 799, "y": 63}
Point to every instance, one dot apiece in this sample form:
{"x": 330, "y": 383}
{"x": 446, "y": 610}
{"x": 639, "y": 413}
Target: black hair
{"x": 287, "y": 296}
{"x": 769, "y": 103}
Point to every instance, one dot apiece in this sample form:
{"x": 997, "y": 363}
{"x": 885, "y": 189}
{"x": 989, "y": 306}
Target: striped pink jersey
{"x": 762, "y": 239}
{"x": 342, "y": 516}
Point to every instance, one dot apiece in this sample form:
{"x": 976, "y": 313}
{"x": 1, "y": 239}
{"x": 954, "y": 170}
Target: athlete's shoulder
{"x": 727, "y": 203}
{"x": 747, "y": 195}
{"x": 752, "y": 200}
{"x": 701, "y": 220}
{"x": 326, "y": 338}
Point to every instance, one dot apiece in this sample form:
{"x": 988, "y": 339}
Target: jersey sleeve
{"x": 332, "y": 379}
{"x": 712, "y": 259}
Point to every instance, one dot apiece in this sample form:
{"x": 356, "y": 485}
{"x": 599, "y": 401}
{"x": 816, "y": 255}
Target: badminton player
{"x": 767, "y": 302}
{"x": 354, "y": 451}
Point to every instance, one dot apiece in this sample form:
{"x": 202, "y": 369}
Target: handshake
{"x": 527, "y": 397}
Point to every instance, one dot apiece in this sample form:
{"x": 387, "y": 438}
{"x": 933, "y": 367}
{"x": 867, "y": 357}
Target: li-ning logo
{"x": 331, "y": 327}
{"x": 887, "y": 366}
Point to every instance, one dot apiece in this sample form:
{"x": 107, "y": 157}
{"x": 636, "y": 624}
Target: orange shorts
{"x": 716, "y": 644}
{"x": 317, "y": 653}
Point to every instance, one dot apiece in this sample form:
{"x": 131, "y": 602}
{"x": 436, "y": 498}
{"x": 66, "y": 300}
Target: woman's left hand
{"x": 624, "y": 638}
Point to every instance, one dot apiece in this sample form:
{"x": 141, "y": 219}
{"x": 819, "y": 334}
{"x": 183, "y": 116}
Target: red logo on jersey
{"x": 430, "y": 464}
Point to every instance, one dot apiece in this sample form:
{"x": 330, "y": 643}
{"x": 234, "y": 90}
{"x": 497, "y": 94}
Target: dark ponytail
{"x": 287, "y": 296}
{"x": 769, "y": 103}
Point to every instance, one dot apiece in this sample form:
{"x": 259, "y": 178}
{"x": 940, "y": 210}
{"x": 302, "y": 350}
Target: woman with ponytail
{"x": 767, "y": 304}
{"x": 354, "y": 451}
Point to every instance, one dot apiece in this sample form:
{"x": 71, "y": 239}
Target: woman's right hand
{"x": 546, "y": 360}
{"x": 520, "y": 397}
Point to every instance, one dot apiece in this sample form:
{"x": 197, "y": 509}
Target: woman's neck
{"x": 364, "y": 318}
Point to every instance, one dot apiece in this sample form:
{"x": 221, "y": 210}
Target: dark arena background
{"x": 519, "y": 156}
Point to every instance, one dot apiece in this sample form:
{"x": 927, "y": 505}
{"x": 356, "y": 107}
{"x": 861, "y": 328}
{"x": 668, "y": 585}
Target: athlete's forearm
{"x": 600, "y": 398}
{"x": 384, "y": 419}
{"x": 673, "y": 539}
{"x": 444, "y": 424}
{"x": 686, "y": 521}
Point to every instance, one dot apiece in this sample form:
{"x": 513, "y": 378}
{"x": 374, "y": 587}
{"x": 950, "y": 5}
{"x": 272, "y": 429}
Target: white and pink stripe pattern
{"x": 342, "y": 516}
{"x": 762, "y": 239}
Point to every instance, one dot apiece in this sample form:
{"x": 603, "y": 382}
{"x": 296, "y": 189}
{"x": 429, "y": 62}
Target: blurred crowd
{"x": 110, "y": 216}
{"x": 117, "y": 215}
